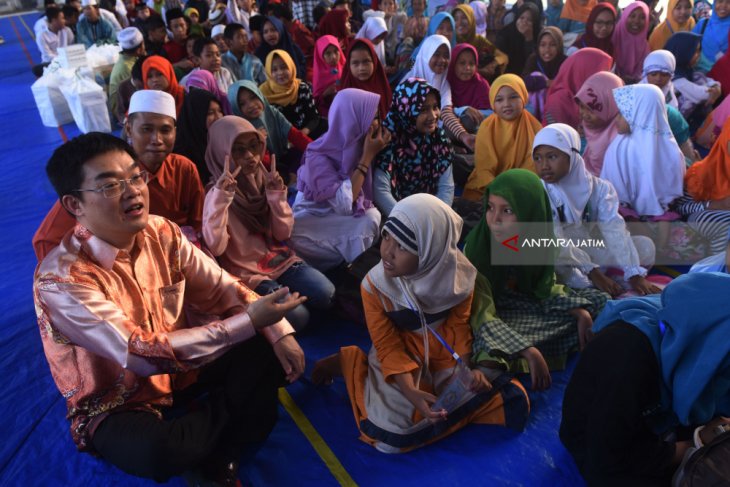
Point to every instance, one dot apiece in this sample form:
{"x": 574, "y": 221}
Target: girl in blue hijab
{"x": 714, "y": 33}
{"x": 443, "y": 24}
{"x": 657, "y": 363}
{"x": 696, "y": 93}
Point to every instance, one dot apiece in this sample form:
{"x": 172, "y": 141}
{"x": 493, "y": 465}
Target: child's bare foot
{"x": 326, "y": 369}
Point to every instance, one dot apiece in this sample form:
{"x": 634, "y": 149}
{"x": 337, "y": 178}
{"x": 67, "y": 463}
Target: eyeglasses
{"x": 115, "y": 188}
{"x": 254, "y": 147}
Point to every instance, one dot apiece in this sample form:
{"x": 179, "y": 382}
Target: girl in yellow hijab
{"x": 491, "y": 60}
{"x": 292, "y": 96}
{"x": 679, "y": 18}
{"x": 504, "y": 139}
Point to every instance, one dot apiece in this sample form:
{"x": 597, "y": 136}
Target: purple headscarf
{"x": 331, "y": 159}
{"x": 203, "y": 79}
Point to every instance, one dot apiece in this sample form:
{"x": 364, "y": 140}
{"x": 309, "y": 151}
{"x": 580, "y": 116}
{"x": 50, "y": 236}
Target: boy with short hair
{"x": 155, "y": 36}
{"x": 179, "y": 25}
{"x": 142, "y": 13}
{"x": 242, "y": 64}
{"x": 56, "y": 35}
{"x": 71, "y": 16}
{"x": 208, "y": 57}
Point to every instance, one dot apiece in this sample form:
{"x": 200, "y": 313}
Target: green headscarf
{"x": 271, "y": 119}
{"x": 525, "y": 193}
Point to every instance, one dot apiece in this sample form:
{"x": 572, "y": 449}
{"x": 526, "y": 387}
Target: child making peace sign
{"x": 247, "y": 220}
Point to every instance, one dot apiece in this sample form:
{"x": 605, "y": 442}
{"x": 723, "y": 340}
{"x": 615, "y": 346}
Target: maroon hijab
{"x": 589, "y": 39}
{"x": 334, "y": 24}
{"x": 377, "y": 83}
{"x": 472, "y": 93}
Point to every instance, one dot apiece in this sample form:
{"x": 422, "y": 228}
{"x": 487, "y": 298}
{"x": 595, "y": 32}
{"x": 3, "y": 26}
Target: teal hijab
{"x": 688, "y": 326}
{"x": 525, "y": 193}
{"x": 436, "y": 20}
{"x": 271, "y": 119}
{"x": 433, "y": 24}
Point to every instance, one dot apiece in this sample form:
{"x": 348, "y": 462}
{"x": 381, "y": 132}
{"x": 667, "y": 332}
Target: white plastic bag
{"x": 49, "y": 100}
{"x": 104, "y": 55}
{"x": 87, "y": 102}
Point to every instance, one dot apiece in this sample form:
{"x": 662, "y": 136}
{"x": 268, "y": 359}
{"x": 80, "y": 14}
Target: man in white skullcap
{"x": 112, "y": 303}
{"x": 175, "y": 190}
{"x": 132, "y": 43}
{"x": 106, "y": 14}
{"x": 92, "y": 28}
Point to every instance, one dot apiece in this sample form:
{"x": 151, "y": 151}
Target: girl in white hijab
{"x": 375, "y": 29}
{"x": 644, "y": 162}
{"x": 424, "y": 66}
{"x": 579, "y": 199}
{"x": 659, "y": 69}
{"x": 417, "y": 304}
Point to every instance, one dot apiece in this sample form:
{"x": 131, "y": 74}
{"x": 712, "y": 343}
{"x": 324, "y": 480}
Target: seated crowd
{"x": 286, "y": 162}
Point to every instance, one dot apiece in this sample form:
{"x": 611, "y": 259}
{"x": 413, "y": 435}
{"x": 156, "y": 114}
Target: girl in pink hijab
{"x": 560, "y": 106}
{"x": 329, "y": 61}
{"x": 204, "y": 80}
{"x": 629, "y": 42}
{"x": 598, "y": 112}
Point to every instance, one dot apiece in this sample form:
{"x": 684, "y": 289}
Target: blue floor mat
{"x": 38, "y": 450}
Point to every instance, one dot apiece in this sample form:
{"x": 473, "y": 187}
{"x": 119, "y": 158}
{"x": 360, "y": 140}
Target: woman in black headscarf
{"x": 200, "y": 109}
{"x": 519, "y": 38}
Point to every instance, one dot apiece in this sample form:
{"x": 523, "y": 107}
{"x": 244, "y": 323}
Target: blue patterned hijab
{"x": 414, "y": 161}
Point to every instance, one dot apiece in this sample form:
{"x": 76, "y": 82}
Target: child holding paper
{"x": 417, "y": 303}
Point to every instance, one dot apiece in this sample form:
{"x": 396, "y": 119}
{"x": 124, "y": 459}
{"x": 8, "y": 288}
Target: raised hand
{"x": 376, "y": 140}
{"x": 273, "y": 179}
{"x": 227, "y": 180}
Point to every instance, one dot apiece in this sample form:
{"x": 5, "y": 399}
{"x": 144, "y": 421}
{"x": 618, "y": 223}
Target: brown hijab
{"x": 249, "y": 202}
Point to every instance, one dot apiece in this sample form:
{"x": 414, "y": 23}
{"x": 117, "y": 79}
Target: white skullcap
{"x": 130, "y": 38}
{"x": 217, "y": 30}
{"x": 153, "y": 101}
{"x": 88, "y": 3}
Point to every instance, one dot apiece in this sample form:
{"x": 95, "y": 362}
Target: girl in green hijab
{"x": 522, "y": 320}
